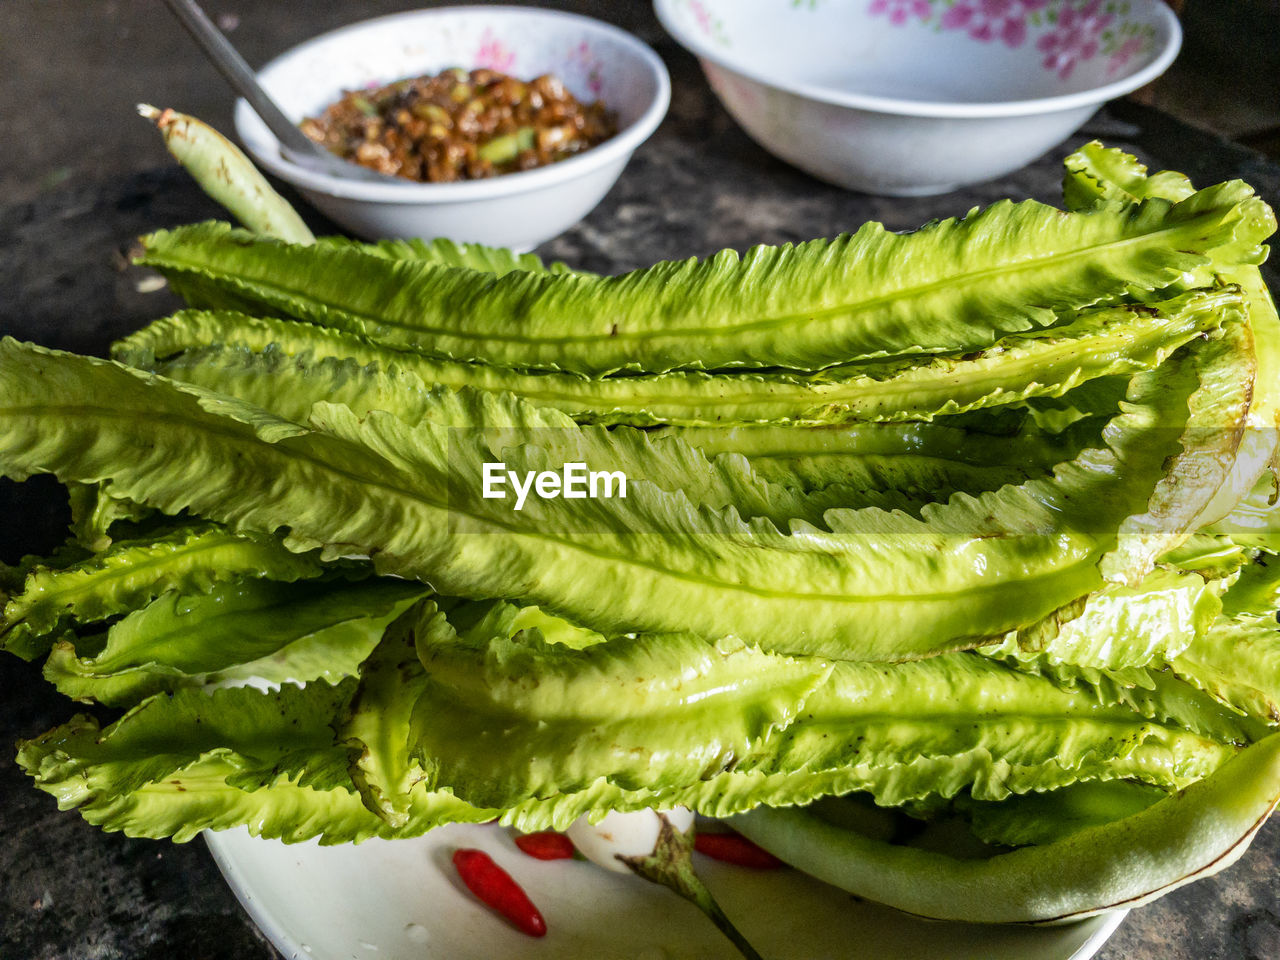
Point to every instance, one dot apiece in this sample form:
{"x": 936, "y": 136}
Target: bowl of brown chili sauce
{"x": 495, "y": 125}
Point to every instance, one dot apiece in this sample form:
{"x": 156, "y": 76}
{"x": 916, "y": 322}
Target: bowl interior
{"x": 595, "y": 61}
{"x": 937, "y": 51}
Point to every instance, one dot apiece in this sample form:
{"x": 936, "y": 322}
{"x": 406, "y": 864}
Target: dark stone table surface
{"x": 69, "y": 891}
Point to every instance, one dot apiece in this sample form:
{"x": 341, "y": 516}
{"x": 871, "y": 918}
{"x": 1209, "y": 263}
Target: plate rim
{"x": 219, "y": 847}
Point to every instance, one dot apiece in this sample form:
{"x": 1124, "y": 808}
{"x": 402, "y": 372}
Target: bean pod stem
{"x": 671, "y": 864}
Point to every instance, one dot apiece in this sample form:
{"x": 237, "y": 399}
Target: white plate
{"x": 401, "y": 900}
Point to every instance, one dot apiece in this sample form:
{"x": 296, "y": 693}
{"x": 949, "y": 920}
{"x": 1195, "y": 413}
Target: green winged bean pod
{"x": 267, "y": 760}
{"x": 929, "y": 528}
{"x": 264, "y": 630}
{"x": 131, "y": 573}
{"x": 1192, "y": 834}
{"x": 952, "y": 286}
{"x": 1097, "y": 176}
{"x": 1106, "y": 341}
{"x": 874, "y": 584}
{"x": 715, "y": 726}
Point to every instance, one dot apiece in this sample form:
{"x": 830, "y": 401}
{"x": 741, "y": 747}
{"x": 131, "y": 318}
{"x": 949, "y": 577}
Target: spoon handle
{"x": 238, "y": 73}
{"x": 294, "y": 144}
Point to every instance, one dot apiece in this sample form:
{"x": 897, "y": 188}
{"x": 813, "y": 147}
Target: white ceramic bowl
{"x": 913, "y": 97}
{"x": 519, "y": 210}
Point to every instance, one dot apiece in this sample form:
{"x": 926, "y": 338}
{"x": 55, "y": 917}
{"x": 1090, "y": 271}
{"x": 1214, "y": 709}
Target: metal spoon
{"x": 294, "y": 144}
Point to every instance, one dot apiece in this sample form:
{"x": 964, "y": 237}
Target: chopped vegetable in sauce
{"x": 461, "y": 125}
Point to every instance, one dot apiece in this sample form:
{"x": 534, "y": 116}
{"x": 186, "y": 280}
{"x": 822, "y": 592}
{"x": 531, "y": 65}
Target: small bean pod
{"x": 227, "y": 175}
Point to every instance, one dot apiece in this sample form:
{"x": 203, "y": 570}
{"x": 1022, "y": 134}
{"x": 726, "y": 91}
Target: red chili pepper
{"x": 547, "y": 845}
{"x": 495, "y": 888}
{"x": 737, "y": 849}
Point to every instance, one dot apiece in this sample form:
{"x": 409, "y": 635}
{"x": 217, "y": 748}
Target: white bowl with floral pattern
{"x": 596, "y": 61}
{"x": 914, "y": 97}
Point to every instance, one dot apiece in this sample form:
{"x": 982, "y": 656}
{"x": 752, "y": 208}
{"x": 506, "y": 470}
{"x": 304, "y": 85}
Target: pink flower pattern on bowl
{"x": 1129, "y": 41}
{"x": 494, "y": 54}
{"x": 708, "y": 24}
{"x": 900, "y": 11}
{"x": 1067, "y": 32}
{"x": 582, "y": 58}
{"x": 1123, "y": 54}
{"x": 988, "y": 20}
{"x": 1075, "y": 37}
